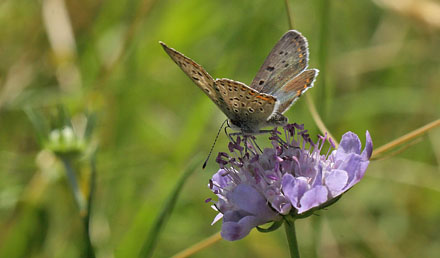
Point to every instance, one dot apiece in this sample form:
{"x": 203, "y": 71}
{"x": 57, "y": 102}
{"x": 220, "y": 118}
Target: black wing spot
{"x": 261, "y": 109}
{"x": 242, "y": 104}
{"x": 286, "y": 65}
{"x": 281, "y": 52}
{"x": 270, "y": 68}
{"x": 286, "y": 53}
{"x": 193, "y": 71}
{"x": 195, "y": 78}
{"x": 236, "y": 110}
{"x": 261, "y": 82}
{"x": 227, "y": 108}
{"x": 247, "y": 97}
{"x": 251, "y": 110}
{"x": 207, "y": 90}
{"x": 235, "y": 104}
{"x": 199, "y": 73}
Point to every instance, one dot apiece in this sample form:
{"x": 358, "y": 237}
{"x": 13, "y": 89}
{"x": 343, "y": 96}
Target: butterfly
{"x": 281, "y": 80}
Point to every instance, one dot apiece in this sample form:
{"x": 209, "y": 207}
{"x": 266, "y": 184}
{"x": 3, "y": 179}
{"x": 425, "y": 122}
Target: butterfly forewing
{"x": 287, "y": 59}
{"x": 292, "y": 90}
{"x": 194, "y": 71}
{"x": 243, "y": 105}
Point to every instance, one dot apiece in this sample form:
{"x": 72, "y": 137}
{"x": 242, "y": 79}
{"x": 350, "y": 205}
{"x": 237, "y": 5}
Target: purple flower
{"x": 291, "y": 178}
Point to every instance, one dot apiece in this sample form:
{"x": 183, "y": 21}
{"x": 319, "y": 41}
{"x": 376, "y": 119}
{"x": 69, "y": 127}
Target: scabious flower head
{"x": 293, "y": 178}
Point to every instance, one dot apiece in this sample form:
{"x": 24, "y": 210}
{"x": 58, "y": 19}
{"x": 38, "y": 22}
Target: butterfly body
{"x": 281, "y": 80}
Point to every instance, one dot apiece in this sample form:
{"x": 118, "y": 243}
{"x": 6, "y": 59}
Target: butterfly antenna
{"x": 212, "y": 147}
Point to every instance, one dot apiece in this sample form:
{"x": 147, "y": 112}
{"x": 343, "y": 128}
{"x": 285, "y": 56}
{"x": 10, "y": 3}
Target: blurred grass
{"x": 382, "y": 75}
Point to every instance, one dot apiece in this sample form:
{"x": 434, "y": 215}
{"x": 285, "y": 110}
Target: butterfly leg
{"x": 230, "y": 134}
{"x": 255, "y": 144}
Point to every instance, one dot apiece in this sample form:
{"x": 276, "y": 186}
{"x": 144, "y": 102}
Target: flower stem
{"x": 79, "y": 198}
{"x": 289, "y": 226}
{"x": 84, "y": 208}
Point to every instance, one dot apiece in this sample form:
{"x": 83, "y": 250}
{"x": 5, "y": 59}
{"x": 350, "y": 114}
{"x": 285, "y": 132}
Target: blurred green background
{"x": 380, "y": 71}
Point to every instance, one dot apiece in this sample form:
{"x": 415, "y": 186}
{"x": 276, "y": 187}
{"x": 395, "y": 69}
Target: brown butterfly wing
{"x": 246, "y": 107}
{"x": 288, "y": 58}
{"x": 194, "y": 71}
{"x": 292, "y": 90}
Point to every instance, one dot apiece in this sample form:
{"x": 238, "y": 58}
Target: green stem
{"x": 84, "y": 211}
{"x": 289, "y": 15}
{"x": 90, "y": 251}
{"x": 79, "y": 198}
{"x": 289, "y": 226}
{"x": 324, "y": 90}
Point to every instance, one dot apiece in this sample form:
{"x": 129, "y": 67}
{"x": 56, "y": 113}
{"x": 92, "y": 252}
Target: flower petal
{"x": 350, "y": 143}
{"x": 248, "y": 199}
{"x": 335, "y": 181}
{"x": 217, "y": 218}
{"x": 220, "y": 179}
{"x": 368, "y": 150}
{"x": 313, "y": 198}
{"x": 232, "y": 230}
{"x": 294, "y": 188}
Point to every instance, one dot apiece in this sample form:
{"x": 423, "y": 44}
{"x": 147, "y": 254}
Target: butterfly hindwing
{"x": 293, "y": 89}
{"x": 243, "y": 105}
{"x": 288, "y": 58}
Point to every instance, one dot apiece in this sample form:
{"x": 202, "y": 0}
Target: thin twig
{"x": 199, "y": 246}
{"x": 407, "y": 137}
{"x": 319, "y": 123}
{"x": 400, "y": 150}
